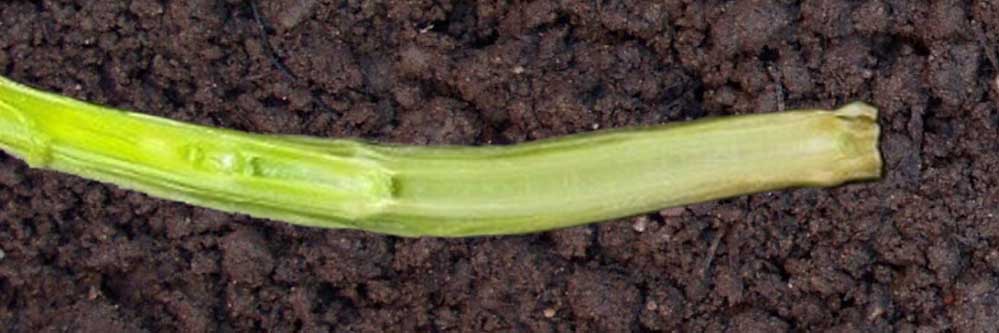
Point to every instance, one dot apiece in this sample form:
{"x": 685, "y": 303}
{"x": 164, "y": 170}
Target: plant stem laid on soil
{"x": 444, "y": 190}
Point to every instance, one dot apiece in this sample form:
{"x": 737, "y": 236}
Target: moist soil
{"x": 916, "y": 251}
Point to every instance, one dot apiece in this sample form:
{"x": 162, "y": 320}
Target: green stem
{"x": 441, "y": 191}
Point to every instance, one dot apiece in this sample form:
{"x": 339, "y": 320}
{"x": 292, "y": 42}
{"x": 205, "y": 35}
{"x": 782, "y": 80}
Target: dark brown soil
{"x": 916, "y": 251}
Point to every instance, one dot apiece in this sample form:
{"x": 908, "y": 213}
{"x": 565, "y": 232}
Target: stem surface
{"x": 444, "y": 190}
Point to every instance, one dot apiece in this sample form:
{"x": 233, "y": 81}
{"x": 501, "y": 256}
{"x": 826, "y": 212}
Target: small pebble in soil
{"x": 2, "y": 255}
{"x": 92, "y": 294}
{"x": 295, "y": 14}
{"x": 549, "y": 313}
{"x": 640, "y": 224}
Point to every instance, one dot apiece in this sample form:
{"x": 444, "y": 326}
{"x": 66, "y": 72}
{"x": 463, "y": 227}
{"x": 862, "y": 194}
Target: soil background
{"x": 917, "y": 251}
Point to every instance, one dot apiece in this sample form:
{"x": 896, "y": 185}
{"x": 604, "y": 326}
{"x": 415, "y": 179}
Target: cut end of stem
{"x": 858, "y": 110}
{"x": 860, "y": 141}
